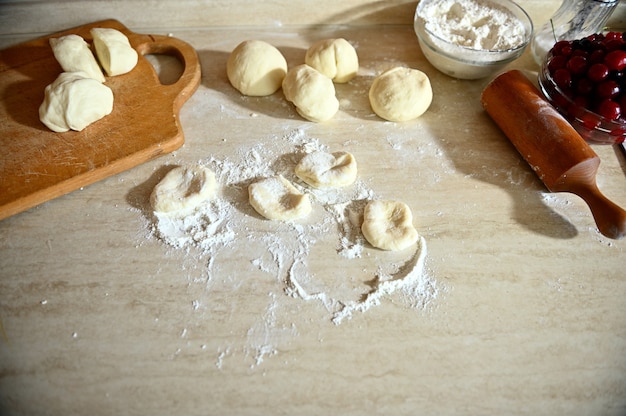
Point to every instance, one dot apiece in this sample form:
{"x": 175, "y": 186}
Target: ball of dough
{"x": 256, "y": 68}
{"x": 388, "y": 225}
{"x": 335, "y": 58}
{"x": 277, "y": 199}
{"x": 74, "y": 55}
{"x": 183, "y": 189}
{"x": 312, "y": 93}
{"x": 401, "y": 94}
{"x": 114, "y": 51}
{"x": 74, "y": 101}
{"x": 327, "y": 170}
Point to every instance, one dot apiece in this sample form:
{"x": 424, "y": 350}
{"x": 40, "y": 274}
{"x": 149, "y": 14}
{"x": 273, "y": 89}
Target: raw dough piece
{"x": 183, "y": 189}
{"x": 114, "y": 52}
{"x": 256, "y": 68}
{"x": 335, "y": 58}
{"x": 74, "y": 55}
{"x": 388, "y": 225}
{"x": 73, "y": 101}
{"x": 326, "y": 170}
{"x": 277, "y": 199}
{"x": 401, "y": 94}
{"x": 312, "y": 93}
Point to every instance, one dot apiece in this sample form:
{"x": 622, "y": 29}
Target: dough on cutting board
{"x": 256, "y": 68}
{"x": 74, "y": 55}
{"x": 276, "y": 198}
{"x": 388, "y": 225}
{"x": 327, "y": 170}
{"x": 335, "y": 58}
{"x": 312, "y": 93}
{"x": 183, "y": 188}
{"x": 114, "y": 51}
{"x": 401, "y": 94}
{"x": 73, "y": 101}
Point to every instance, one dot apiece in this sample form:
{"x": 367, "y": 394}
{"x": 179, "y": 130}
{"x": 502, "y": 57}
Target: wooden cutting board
{"x": 37, "y": 165}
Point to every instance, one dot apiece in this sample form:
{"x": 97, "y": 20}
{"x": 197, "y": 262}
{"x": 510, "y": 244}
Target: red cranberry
{"x": 607, "y": 89}
{"x": 613, "y": 36}
{"x": 612, "y": 44}
{"x": 595, "y": 37}
{"x": 609, "y": 109}
{"x": 558, "y": 47}
{"x": 563, "y": 78}
{"x": 598, "y": 72}
{"x": 597, "y": 56}
{"x": 557, "y": 62}
{"x": 577, "y": 65}
{"x": 615, "y": 60}
{"x": 584, "y": 87}
{"x": 567, "y": 50}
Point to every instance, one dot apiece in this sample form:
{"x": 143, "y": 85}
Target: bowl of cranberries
{"x": 585, "y": 80}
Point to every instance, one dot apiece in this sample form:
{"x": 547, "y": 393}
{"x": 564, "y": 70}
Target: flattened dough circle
{"x": 388, "y": 225}
{"x": 183, "y": 188}
{"x": 327, "y": 170}
{"x": 276, "y": 198}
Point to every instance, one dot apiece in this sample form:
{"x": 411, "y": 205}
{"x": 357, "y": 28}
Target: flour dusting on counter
{"x": 386, "y": 285}
{"x": 285, "y": 250}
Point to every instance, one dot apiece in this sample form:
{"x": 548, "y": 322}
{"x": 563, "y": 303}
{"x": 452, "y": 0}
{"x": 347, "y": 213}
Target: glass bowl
{"x": 593, "y": 127}
{"x": 464, "y": 62}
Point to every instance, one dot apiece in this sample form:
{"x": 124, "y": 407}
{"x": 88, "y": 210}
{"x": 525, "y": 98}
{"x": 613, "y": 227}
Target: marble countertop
{"x": 519, "y": 309}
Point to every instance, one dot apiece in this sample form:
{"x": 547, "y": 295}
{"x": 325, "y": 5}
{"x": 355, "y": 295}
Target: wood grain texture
{"x": 37, "y": 164}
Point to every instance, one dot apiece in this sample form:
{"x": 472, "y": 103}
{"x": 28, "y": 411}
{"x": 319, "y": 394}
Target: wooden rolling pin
{"x": 551, "y": 146}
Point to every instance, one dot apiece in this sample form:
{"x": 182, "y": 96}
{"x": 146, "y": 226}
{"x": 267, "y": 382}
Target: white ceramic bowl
{"x": 464, "y": 62}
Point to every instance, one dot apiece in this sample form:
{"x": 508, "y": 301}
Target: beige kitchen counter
{"x": 520, "y": 310}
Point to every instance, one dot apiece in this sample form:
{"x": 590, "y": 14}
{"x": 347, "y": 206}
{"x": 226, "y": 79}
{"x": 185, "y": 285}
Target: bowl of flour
{"x": 471, "y": 39}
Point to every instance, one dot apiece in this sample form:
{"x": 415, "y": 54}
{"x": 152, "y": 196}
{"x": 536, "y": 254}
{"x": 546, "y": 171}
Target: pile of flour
{"x": 474, "y": 24}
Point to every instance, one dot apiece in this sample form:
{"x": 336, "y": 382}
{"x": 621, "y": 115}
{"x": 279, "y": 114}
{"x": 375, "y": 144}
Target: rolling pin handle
{"x": 609, "y": 217}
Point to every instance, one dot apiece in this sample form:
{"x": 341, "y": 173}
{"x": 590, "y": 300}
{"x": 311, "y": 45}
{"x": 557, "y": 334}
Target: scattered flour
{"x": 410, "y": 276}
{"x": 228, "y": 222}
{"x": 263, "y": 335}
{"x": 205, "y": 228}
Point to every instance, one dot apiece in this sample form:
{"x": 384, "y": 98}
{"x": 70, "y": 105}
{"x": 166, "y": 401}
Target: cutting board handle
{"x": 185, "y": 86}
